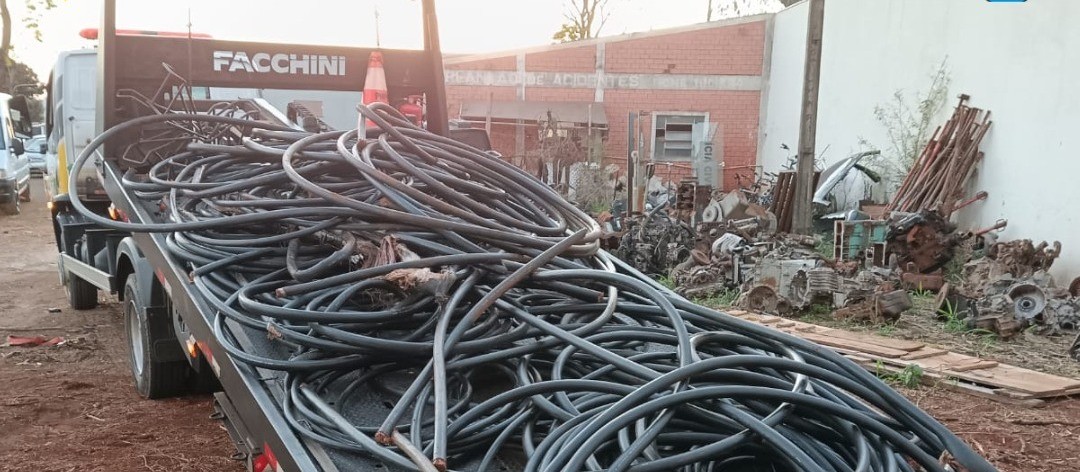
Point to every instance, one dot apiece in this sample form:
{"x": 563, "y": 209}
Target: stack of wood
{"x": 783, "y": 199}
{"x": 783, "y": 195}
{"x": 939, "y": 177}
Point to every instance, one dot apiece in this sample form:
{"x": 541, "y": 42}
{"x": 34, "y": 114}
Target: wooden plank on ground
{"x": 989, "y": 373}
{"x": 1026, "y": 380}
{"x": 985, "y": 377}
{"x": 899, "y": 344}
{"x": 954, "y": 362}
{"x": 937, "y": 380}
{"x": 849, "y": 345}
{"x": 924, "y": 353}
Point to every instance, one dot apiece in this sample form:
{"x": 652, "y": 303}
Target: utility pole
{"x": 804, "y": 177}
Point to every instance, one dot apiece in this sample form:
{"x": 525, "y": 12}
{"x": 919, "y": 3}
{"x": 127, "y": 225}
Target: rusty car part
{"x": 1028, "y": 300}
{"x": 1074, "y": 287}
{"x": 916, "y": 281}
{"x": 890, "y": 305}
{"x": 1022, "y": 257}
{"x": 761, "y": 298}
{"x": 925, "y": 239}
{"x": 822, "y": 281}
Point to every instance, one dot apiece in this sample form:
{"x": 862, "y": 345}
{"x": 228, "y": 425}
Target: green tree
{"x": 16, "y": 77}
{"x": 584, "y": 20}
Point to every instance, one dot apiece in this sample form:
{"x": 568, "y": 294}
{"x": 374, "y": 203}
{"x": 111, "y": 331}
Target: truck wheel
{"x": 11, "y": 208}
{"x": 82, "y": 295}
{"x": 153, "y": 378}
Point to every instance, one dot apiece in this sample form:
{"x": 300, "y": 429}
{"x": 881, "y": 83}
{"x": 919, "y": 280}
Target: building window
{"x": 676, "y": 135}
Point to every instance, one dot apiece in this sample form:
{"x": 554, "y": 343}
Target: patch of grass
{"x": 921, "y": 293}
{"x": 910, "y": 376}
{"x": 953, "y": 322}
{"x": 954, "y": 270}
{"x": 819, "y": 309}
{"x": 819, "y": 313}
{"x": 987, "y": 342}
{"x": 886, "y": 329}
{"x": 722, "y": 299}
{"x": 825, "y": 247}
{"x": 666, "y": 281}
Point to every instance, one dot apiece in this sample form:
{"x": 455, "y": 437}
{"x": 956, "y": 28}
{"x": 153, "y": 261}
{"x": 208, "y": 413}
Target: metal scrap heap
{"x": 1008, "y": 290}
{"x": 435, "y": 307}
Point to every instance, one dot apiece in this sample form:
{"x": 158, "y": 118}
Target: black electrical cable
{"x": 429, "y": 294}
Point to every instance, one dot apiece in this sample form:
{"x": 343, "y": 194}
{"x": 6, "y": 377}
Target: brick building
{"x": 683, "y": 83}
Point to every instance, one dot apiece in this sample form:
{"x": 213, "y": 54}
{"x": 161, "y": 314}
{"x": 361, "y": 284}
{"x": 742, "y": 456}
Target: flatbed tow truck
{"x": 170, "y": 335}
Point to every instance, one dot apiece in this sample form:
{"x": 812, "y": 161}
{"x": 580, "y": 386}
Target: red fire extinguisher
{"x": 413, "y": 109}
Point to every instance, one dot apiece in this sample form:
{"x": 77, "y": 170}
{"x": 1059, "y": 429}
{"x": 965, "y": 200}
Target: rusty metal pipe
{"x": 982, "y": 195}
{"x": 1001, "y": 224}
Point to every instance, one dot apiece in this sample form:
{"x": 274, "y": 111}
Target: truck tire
{"x": 82, "y": 295}
{"x": 154, "y": 378}
{"x": 11, "y": 208}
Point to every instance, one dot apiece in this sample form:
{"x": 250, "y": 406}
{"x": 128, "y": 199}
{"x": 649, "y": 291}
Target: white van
{"x": 70, "y": 114}
{"x": 14, "y": 164}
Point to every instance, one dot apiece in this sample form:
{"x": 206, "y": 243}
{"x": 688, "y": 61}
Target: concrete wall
{"x": 1016, "y": 59}
{"x": 716, "y": 68}
{"x": 782, "y": 101}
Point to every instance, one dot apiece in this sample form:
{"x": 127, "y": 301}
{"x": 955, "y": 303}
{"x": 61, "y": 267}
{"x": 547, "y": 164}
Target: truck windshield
{"x": 332, "y": 23}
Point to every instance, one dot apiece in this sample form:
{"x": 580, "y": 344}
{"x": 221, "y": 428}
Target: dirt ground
{"x": 72, "y": 407}
{"x": 1013, "y": 437}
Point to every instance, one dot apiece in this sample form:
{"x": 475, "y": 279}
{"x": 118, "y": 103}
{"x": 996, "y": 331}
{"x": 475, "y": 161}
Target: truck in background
{"x": 14, "y": 163}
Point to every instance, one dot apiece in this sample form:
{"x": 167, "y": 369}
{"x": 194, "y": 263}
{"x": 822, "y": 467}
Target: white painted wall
{"x": 1019, "y": 60}
{"x": 784, "y": 92}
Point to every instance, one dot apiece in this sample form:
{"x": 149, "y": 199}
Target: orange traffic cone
{"x": 375, "y": 83}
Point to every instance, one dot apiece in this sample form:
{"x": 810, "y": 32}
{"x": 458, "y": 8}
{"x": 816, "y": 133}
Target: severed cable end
{"x": 383, "y": 438}
{"x": 440, "y": 464}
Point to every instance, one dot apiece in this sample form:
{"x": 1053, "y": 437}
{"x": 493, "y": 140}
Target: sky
{"x": 466, "y": 26}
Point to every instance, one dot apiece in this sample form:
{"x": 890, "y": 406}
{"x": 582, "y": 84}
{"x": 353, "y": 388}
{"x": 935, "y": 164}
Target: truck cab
{"x": 70, "y": 114}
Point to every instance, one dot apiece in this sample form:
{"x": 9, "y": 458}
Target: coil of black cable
{"x": 474, "y": 300}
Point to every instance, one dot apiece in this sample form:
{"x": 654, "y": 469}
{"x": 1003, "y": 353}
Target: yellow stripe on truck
{"x": 61, "y": 169}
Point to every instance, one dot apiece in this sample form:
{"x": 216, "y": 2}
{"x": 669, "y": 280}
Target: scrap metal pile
{"x": 1008, "y": 289}
{"x": 408, "y": 270}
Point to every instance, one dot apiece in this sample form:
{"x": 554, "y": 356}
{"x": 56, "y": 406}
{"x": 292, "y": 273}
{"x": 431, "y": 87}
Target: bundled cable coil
{"x": 471, "y": 305}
